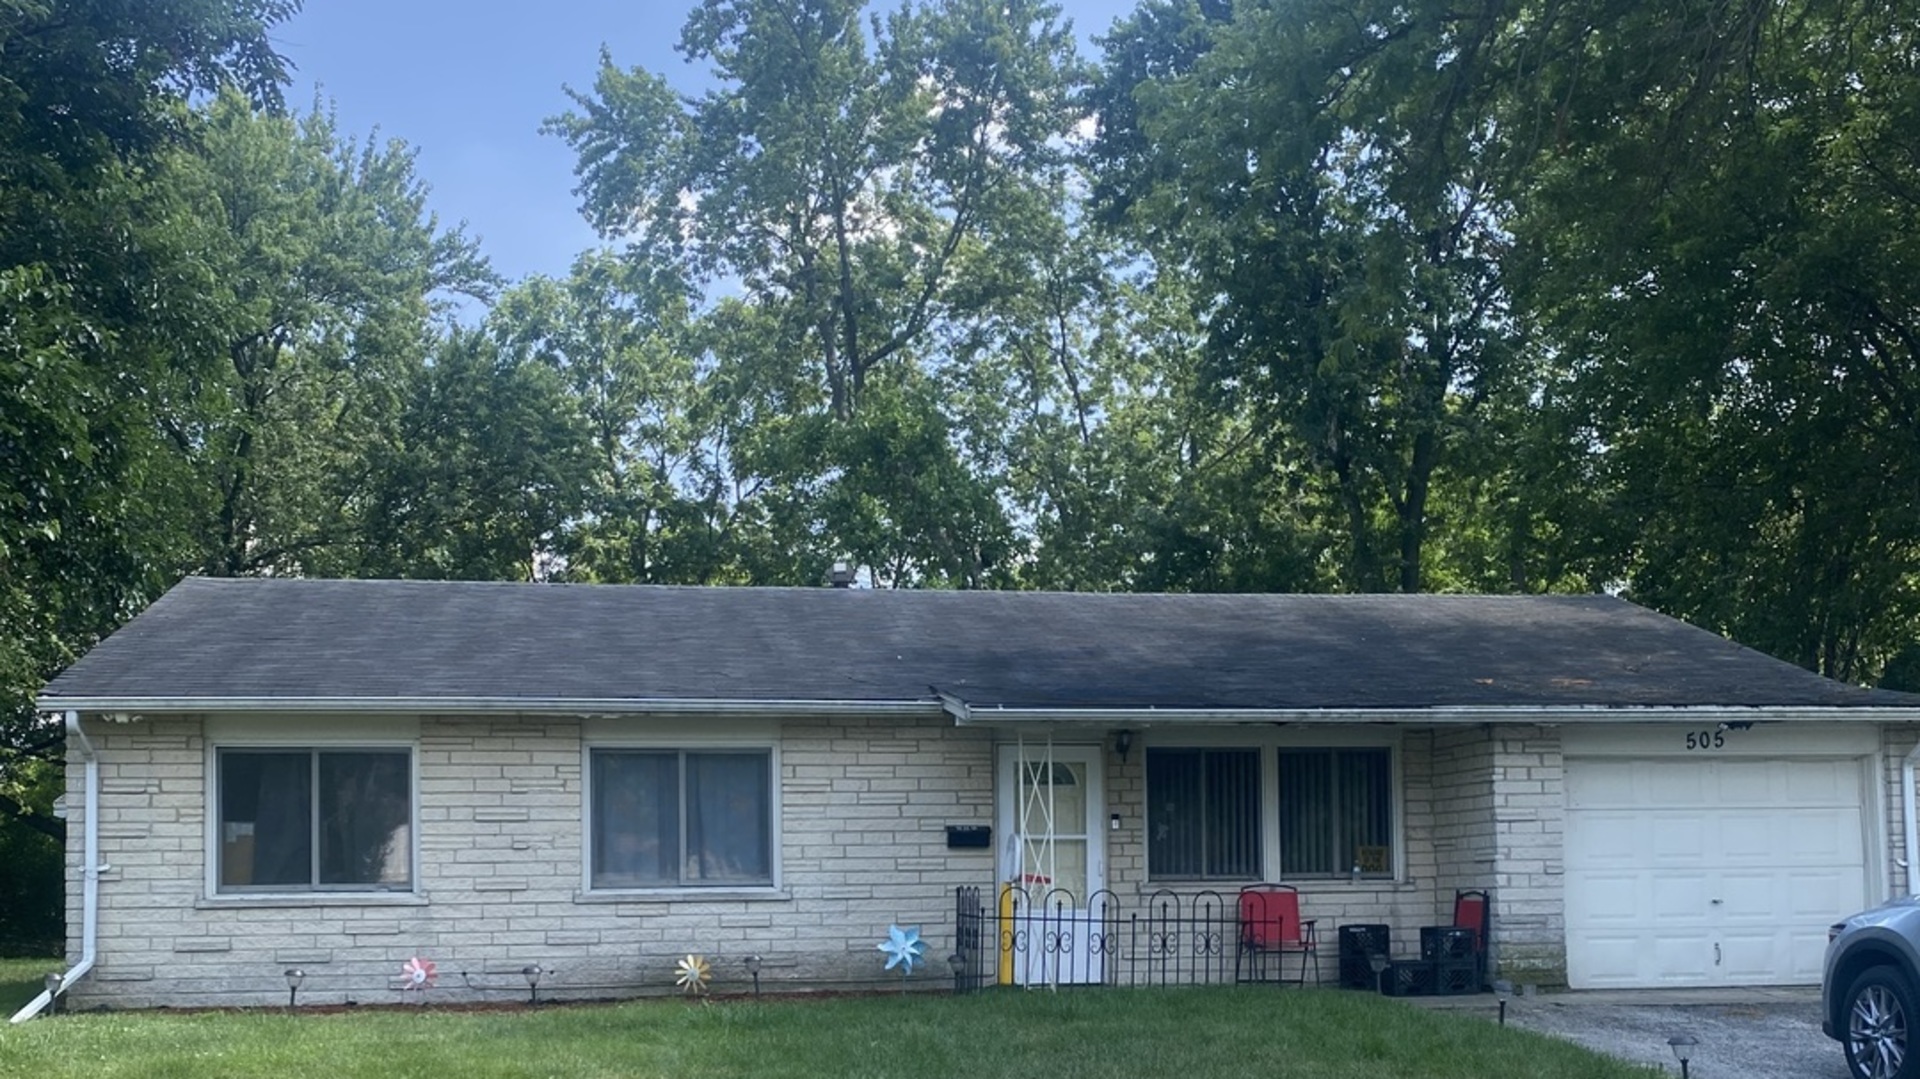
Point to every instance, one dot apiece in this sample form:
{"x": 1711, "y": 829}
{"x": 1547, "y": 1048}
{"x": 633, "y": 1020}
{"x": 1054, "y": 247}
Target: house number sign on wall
{"x": 1706, "y": 739}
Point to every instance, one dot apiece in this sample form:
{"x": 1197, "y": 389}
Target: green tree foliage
{"x": 1720, "y": 236}
{"x": 1325, "y": 175}
{"x": 845, "y": 180}
{"x": 620, "y": 334}
{"x": 319, "y": 268}
{"x": 95, "y": 306}
{"x": 489, "y": 461}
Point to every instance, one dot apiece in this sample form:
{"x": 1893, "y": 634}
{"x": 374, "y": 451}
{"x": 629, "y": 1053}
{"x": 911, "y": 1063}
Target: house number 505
{"x": 1706, "y": 739}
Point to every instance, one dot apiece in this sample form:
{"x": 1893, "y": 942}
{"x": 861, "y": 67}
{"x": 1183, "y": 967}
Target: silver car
{"x": 1867, "y": 995}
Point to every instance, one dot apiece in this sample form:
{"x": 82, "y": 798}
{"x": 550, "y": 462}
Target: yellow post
{"x": 1006, "y": 934}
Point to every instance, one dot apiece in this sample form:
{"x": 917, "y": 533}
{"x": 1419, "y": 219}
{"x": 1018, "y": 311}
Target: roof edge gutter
{"x": 129, "y": 707}
{"x": 965, "y": 714}
{"x": 90, "y": 886}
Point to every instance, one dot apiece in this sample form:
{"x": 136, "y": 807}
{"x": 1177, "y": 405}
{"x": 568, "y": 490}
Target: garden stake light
{"x": 1683, "y": 1046}
{"x": 1503, "y": 991}
{"x": 1379, "y": 962}
{"x": 753, "y": 968}
{"x": 532, "y": 975}
{"x": 295, "y": 976}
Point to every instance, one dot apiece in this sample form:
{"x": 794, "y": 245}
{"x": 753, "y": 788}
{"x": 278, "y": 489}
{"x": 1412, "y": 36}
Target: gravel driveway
{"x": 1749, "y": 1034}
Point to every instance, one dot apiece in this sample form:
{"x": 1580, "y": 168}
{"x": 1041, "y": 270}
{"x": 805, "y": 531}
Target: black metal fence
{"x": 1024, "y": 937}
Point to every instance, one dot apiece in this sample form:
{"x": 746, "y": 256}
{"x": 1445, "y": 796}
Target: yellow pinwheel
{"x": 695, "y": 972}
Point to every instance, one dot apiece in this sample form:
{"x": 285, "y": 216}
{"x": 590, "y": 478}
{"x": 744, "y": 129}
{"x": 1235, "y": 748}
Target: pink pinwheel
{"x": 418, "y": 973}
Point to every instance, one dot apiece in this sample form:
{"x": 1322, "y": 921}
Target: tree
{"x": 1327, "y": 178}
{"x": 91, "y": 94}
{"x": 490, "y": 461}
{"x": 322, "y": 270}
{"x": 620, "y": 334}
{"x": 844, "y": 184}
{"x": 1718, "y": 232}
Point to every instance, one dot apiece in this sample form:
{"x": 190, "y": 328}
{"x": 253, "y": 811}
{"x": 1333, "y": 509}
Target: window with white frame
{"x": 671, "y": 818}
{"x": 1203, "y": 814}
{"x": 315, "y": 819}
{"x": 1336, "y": 812}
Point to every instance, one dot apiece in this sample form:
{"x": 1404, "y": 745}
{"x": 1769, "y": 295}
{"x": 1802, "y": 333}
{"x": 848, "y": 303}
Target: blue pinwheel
{"x": 904, "y": 948}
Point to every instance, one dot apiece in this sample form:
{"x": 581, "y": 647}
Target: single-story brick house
{"x": 336, "y": 776}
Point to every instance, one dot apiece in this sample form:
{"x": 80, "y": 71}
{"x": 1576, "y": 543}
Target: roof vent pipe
{"x": 841, "y": 576}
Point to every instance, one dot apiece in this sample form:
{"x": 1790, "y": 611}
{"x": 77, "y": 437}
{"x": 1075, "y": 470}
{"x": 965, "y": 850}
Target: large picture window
{"x": 1336, "y": 812}
{"x": 681, "y": 818}
{"x": 1203, "y": 808}
{"x": 315, "y": 819}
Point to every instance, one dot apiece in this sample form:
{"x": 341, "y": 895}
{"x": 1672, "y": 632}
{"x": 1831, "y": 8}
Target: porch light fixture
{"x": 1503, "y": 992}
{"x": 295, "y": 977}
{"x": 753, "y": 967}
{"x": 1122, "y": 743}
{"x": 1683, "y": 1046}
{"x": 532, "y": 975}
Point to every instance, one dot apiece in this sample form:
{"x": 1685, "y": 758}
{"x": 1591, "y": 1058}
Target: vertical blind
{"x": 1203, "y": 813}
{"x": 1333, "y": 803}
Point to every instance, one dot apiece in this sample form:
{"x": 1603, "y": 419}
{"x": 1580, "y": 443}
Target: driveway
{"x": 1750, "y": 1034}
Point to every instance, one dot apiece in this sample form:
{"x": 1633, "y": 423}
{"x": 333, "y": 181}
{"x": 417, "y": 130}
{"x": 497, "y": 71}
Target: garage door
{"x": 1691, "y": 872}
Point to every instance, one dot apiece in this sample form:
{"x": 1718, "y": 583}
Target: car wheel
{"x": 1879, "y": 1026}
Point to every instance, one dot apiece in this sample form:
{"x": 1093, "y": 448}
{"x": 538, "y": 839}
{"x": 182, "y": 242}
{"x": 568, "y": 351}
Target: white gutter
{"x": 965, "y": 714}
{"x": 90, "y": 887}
{"x": 1908, "y": 815}
{"x": 127, "y": 707}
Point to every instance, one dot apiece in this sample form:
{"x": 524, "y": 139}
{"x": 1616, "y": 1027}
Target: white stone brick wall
{"x": 1897, "y": 740}
{"x": 865, "y": 805}
{"x": 1529, "y": 898}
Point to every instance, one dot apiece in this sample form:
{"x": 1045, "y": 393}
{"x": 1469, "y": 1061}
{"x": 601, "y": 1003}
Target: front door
{"x": 1052, "y": 864}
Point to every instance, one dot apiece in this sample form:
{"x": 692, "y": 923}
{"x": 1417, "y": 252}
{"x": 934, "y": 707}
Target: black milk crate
{"x": 1446, "y": 943}
{"x": 1357, "y": 943}
{"x": 1452, "y": 977}
{"x": 1410, "y": 978}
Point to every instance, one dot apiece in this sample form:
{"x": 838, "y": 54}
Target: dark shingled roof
{"x": 264, "y": 638}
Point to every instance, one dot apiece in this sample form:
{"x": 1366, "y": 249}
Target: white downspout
{"x": 90, "y": 880}
{"x": 1908, "y": 818}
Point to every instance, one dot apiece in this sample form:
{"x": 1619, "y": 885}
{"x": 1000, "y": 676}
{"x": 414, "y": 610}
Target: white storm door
{"x": 1050, "y": 805}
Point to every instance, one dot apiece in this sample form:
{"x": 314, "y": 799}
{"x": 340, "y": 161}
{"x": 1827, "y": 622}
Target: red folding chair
{"x": 1270, "y": 925}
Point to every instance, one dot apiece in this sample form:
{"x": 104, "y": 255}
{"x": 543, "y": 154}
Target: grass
{"x": 1176, "y": 1034}
{"x": 20, "y": 981}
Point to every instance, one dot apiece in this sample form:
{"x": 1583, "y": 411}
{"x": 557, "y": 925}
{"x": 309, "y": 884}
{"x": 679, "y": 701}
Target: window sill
{"x": 311, "y": 899}
{"x": 1302, "y": 884}
{"x": 683, "y": 895}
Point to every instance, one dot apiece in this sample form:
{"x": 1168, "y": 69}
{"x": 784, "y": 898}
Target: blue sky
{"x": 467, "y": 84}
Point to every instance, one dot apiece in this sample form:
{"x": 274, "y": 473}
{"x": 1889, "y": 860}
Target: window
{"x": 681, "y": 818}
{"x": 315, "y": 820}
{"x": 1336, "y": 812}
{"x": 1203, "y": 808}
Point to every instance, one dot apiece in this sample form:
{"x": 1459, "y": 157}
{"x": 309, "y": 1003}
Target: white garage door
{"x": 1692, "y": 872}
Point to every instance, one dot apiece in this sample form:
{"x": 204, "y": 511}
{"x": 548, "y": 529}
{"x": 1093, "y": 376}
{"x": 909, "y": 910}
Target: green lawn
{"x": 1178, "y": 1034}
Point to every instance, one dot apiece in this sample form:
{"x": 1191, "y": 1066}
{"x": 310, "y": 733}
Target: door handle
{"x": 1716, "y": 902}
{"x": 1716, "y": 953}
